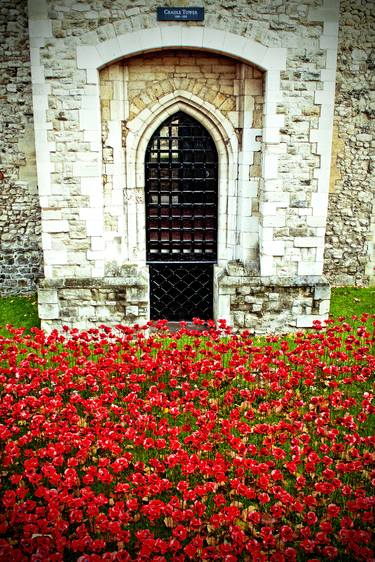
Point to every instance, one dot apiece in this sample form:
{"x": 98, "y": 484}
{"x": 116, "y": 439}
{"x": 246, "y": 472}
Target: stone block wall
{"x": 21, "y": 259}
{"x": 113, "y": 73}
{"x": 83, "y": 303}
{"x": 247, "y": 301}
{"x": 349, "y": 252}
{"x": 272, "y": 304}
{"x": 295, "y": 152}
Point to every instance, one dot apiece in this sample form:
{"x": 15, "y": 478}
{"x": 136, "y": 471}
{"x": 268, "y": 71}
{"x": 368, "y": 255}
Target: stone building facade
{"x": 261, "y": 79}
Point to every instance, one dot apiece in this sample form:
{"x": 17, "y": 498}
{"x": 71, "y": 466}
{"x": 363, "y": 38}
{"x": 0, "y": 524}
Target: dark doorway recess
{"x": 181, "y": 219}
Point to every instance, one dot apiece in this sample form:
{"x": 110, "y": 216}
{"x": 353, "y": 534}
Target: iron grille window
{"x": 181, "y": 192}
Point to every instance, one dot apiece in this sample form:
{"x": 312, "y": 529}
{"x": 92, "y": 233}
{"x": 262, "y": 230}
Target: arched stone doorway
{"x": 181, "y": 197}
{"x": 270, "y": 260}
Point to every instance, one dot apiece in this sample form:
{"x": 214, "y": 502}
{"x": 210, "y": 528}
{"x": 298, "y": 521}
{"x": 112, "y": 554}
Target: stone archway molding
{"x": 140, "y": 131}
{"x": 151, "y": 39}
{"x": 92, "y": 58}
{"x": 147, "y": 121}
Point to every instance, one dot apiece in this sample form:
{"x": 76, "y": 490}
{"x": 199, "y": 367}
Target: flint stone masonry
{"x": 350, "y": 238}
{"x": 21, "y": 257}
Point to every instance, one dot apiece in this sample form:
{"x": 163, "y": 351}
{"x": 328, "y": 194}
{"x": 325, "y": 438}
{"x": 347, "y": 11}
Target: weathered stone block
{"x": 47, "y": 296}
{"x": 322, "y": 292}
{"x": 324, "y": 307}
{"x": 306, "y": 321}
{"x": 55, "y": 226}
{"x": 49, "y": 311}
{"x": 308, "y": 242}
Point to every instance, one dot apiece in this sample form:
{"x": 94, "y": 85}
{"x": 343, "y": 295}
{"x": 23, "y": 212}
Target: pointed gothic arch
{"x": 224, "y": 136}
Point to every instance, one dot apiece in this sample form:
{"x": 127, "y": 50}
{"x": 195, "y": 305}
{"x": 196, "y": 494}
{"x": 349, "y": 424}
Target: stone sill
{"x": 93, "y": 283}
{"x": 273, "y": 281}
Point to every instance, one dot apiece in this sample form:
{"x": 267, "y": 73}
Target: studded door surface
{"x": 181, "y": 219}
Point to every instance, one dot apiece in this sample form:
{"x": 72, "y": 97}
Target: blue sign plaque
{"x": 180, "y": 14}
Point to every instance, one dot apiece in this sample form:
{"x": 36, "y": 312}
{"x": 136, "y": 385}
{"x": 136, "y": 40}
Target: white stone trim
{"x": 370, "y": 267}
{"x": 322, "y": 136}
{"x": 40, "y": 29}
{"x": 180, "y": 36}
{"x": 247, "y": 226}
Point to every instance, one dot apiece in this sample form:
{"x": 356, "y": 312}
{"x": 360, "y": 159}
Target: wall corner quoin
{"x": 328, "y": 14}
{"x": 37, "y": 9}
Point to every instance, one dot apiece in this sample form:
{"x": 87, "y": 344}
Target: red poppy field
{"x": 139, "y": 444}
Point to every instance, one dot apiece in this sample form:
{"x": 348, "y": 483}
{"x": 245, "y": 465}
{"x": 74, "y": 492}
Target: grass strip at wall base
{"x": 22, "y": 311}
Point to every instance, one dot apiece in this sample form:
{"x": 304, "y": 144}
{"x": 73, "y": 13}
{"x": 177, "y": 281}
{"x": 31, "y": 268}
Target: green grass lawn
{"x": 19, "y": 311}
{"x": 349, "y": 301}
{"x": 345, "y": 301}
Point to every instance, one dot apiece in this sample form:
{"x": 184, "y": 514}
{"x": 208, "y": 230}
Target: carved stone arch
{"x": 92, "y": 58}
{"x": 140, "y": 131}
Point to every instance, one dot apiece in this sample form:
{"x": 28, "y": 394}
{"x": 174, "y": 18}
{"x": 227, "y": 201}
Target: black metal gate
{"x": 181, "y": 219}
